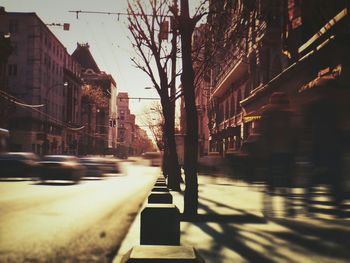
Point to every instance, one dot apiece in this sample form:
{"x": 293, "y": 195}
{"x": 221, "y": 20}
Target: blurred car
{"x": 110, "y": 165}
{"x": 19, "y": 164}
{"x": 93, "y": 167}
{"x": 155, "y": 158}
{"x": 61, "y": 167}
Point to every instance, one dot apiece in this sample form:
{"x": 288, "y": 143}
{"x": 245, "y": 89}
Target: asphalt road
{"x": 62, "y": 222}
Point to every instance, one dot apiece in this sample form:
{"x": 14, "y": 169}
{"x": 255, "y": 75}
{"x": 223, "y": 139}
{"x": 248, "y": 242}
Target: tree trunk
{"x": 171, "y": 158}
{"x": 191, "y": 139}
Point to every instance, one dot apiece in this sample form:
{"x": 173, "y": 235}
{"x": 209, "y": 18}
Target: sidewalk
{"x": 231, "y": 228}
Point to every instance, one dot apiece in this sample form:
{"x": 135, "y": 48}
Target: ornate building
{"x": 98, "y": 114}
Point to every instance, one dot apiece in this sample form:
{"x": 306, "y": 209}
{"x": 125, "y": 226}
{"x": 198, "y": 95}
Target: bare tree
{"x": 186, "y": 25}
{"x": 142, "y": 143}
{"x": 94, "y": 95}
{"x": 153, "y": 120}
{"x": 146, "y": 19}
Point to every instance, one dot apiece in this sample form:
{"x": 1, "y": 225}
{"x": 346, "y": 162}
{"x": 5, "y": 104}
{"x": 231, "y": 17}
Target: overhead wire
{"x": 21, "y": 103}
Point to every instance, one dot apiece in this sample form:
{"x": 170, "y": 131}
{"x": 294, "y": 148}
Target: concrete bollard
{"x": 162, "y": 254}
{"x": 160, "y": 184}
{"x": 161, "y": 180}
{"x": 160, "y": 225}
{"x": 160, "y": 189}
{"x": 160, "y": 198}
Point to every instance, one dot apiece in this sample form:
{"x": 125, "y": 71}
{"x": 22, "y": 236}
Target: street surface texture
{"x": 232, "y": 228}
{"x": 61, "y": 222}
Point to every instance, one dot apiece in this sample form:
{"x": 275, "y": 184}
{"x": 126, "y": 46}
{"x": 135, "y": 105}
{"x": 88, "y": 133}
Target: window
{"x": 13, "y": 26}
{"x": 14, "y": 48}
{"x": 232, "y": 112}
{"x": 12, "y": 70}
{"x": 227, "y": 110}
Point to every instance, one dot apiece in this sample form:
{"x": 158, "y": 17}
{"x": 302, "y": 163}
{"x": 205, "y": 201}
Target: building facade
{"x": 248, "y": 54}
{"x": 36, "y": 73}
{"x": 315, "y": 39}
{"x": 282, "y": 52}
{"x": 72, "y": 105}
{"x": 202, "y": 88}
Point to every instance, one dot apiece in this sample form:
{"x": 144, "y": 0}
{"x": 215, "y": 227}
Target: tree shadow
{"x": 231, "y": 218}
{"x": 302, "y": 239}
{"x": 334, "y": 238}
{"x": 230, "y": 237}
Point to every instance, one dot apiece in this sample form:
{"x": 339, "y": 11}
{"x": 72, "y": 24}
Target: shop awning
{"x": 252, "y": 116}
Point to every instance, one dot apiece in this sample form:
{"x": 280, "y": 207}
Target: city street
{"x": 58, "y": 221}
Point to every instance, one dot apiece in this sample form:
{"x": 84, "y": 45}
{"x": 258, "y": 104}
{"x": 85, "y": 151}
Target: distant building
{"x": 40, "y": 72}
{"x": 99, "y": 119}
{"x": 125, "y": 123}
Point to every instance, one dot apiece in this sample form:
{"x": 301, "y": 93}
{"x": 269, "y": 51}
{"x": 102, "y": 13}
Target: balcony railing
{"x": 226, "y": 68}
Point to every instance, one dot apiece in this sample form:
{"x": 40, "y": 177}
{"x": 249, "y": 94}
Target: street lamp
{"x": 64, "y": 84}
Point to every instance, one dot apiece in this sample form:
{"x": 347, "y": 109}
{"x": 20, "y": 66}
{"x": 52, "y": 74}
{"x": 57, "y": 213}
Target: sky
{"x": 106, "y": 34}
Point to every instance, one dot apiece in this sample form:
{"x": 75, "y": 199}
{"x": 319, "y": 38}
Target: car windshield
{"x": 58, "y": 158}
{"x": 17, "y": 156}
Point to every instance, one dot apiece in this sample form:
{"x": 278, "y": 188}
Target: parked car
{"x": 93, "y": 167}
{"x": 19, "y": 164}
{"x": 61, "y": 167}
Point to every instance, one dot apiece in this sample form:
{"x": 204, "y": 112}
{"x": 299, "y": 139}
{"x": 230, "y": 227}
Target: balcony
{"x": 230, "y": 73}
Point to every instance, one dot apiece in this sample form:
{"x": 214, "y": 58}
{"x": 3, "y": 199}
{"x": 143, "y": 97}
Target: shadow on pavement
{"x": 334, "y": 241}
{"x": 270, "y": 242}
{"x": 234, "y": 218}
{"x": 230, "y": 236}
